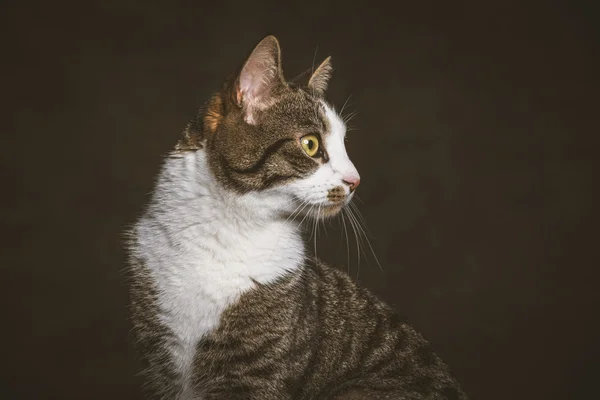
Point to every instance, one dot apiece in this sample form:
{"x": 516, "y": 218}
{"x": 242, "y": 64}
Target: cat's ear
{"x": 320, "y": 78}
{"x": 261, "y": 78}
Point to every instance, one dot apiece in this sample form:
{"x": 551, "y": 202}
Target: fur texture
{"x": 226, "y": 303}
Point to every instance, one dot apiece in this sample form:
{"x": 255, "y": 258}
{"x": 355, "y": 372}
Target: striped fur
{"x": 226, "y": 304}
{"x": 314, "y": 334}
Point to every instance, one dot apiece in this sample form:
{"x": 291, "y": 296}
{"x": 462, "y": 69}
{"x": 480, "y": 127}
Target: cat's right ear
{"x": 260, "y": 79}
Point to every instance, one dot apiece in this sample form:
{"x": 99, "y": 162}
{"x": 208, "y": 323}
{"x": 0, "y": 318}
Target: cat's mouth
{"x": 332, "y": 205}
{"x": 337, "y": 199}
{"x": 320, "y": 211}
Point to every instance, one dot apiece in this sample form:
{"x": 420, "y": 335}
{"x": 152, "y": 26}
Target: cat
{"x": 226, "y": 302}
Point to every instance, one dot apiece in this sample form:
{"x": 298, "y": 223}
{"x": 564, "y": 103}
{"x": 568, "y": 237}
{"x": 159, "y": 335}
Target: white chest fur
{"x": 204, "y": 246}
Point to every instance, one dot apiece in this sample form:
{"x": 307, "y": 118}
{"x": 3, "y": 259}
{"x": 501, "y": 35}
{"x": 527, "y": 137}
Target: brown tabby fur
{"x": 317, "y": 335}
{"x": 312, "y": 334}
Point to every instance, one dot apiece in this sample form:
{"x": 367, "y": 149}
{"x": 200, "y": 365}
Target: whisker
{"x": 358, "y": 198}
{"x": 347, "y": 241}
{"x": 364, "y": 235}
{"x": 344, "y": 106}
{"x": 314, "y": 59}
{"x": 361, "y": 218}
{"x": 348, "y": 118}
{"x": 357, "y": 242}
{"x": 293, "y": 214}
{"x": 307, "y": 214}
{"x": 316, "y": 227}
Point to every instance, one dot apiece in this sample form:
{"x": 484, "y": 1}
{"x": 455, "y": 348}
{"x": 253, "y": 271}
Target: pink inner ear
{"x": 247, "y": 83}
{"x": 261, "y": 72}
{"x": 253, "y": 91}
{"x": 257, "y": 77}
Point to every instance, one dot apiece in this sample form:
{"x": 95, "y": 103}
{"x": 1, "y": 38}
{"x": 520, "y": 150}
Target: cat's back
{"x": 316, "y": 334}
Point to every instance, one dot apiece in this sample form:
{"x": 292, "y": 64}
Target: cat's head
{"x": 265, "y": 134}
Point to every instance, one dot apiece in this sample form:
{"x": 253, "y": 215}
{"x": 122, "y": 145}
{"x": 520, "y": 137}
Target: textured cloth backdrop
{"x": 473, "y": 138}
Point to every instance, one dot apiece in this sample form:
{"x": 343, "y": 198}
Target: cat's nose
{"x": 352, "y": 182}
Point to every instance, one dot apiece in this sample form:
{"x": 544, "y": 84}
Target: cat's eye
{"x": 310, "y": 145}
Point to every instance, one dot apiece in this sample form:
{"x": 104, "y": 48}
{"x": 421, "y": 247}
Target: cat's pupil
{"x": 310, "y": 144}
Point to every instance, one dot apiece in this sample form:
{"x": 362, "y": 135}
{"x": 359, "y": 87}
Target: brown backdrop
{"x": 473, "y": 137}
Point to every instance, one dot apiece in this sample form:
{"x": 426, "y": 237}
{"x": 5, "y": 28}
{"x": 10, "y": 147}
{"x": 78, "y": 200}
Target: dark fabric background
{"x": 475, "y": 138}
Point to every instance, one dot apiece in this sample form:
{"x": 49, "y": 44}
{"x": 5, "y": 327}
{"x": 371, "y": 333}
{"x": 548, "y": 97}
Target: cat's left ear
{"x": 320, "y": 78}
{"x": 260, "y": 79}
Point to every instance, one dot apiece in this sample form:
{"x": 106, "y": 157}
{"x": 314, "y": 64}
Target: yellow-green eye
{"x": 310, "y": 144}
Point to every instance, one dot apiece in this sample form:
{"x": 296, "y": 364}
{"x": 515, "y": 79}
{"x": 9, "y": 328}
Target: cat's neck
{"x": 194, "y": 219}
{"x": 203, "y": 246}
{"x": 187, "y": 184}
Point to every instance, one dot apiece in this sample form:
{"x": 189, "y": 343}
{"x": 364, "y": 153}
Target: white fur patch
{"x": 314, "y": 189}
{"x": 203, "y": 246}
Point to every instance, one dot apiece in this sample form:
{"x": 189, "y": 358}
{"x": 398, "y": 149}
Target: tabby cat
{"x": 226, "y": 302}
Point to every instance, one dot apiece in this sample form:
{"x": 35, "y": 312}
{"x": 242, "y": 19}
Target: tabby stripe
{"x": 391, "y": 358}
{"x": 270, "y": 181}
{"x": 260, "y": 358}
{"x": 318, "y": 333}
{"x": 299, "y": 168}
{"x": 269, "y": 151}
{"x": 375, "y": 340}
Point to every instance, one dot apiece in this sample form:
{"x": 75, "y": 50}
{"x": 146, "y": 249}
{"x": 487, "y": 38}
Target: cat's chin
{"x": 317, "y": 211}
{"x": 326, "y": 210}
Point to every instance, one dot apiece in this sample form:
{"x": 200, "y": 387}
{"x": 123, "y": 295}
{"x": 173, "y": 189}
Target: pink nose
{"x": 352, "y": 182}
